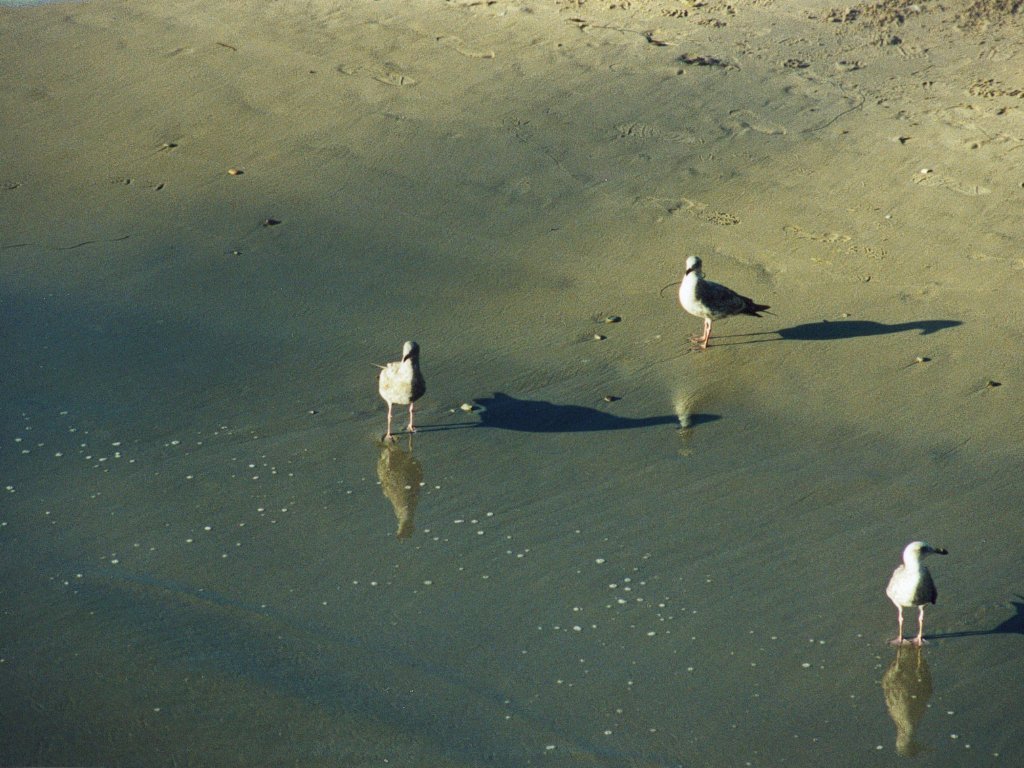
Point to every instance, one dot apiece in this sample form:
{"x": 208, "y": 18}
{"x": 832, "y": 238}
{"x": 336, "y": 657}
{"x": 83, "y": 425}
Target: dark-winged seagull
{"x": 711, "y": 301}
{"x": 401, "y": 383}
{"x": 911, "y": 585}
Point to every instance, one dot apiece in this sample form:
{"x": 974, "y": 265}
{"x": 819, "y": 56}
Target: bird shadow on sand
{"x": 501, "y": 411}
{"x": 1011, "y": 626}
{"x": 834, "y": 330}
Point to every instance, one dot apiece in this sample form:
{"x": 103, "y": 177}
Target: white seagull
{"x": 401, "y": 382}
{"x": 711, "y": 301}
{"x": 911, "y": 585}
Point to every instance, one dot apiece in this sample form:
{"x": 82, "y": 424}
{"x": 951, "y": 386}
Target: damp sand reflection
{"x": 401, "y": 479}
{"x": 907, "y": 685}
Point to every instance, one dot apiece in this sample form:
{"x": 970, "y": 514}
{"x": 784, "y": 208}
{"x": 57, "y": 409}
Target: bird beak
{"x": 691, "y": 269}
{"x": 940, "y": 551}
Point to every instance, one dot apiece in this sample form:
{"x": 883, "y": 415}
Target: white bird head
{"x": 915, "y": 550}
{"x": 410, "y": 351}
{"x": 694, "y": 264}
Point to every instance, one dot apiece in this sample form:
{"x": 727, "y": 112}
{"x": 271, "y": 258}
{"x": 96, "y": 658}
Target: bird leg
{"x": 899, "y": 636}
{"x": 411, "y": 427}
{"x": 702, "y": 341}
{"x": 919, "y": 641}
{"x": 388, "y": 435}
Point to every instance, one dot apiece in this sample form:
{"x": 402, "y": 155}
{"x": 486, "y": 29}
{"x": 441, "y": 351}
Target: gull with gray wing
{"x": 402, "y": 383}
{"x": 911, "y": 586}
{"x": 711, "y": 301}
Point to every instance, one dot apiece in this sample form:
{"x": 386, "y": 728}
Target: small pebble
{"x": 467, "y": 407}
{"x": 599, "y": 337}
{"x": 235, "y": 171}
{"x": 990, "y": 384}
{"x": 612, "y": 319}
{"x": 611, "y": 398}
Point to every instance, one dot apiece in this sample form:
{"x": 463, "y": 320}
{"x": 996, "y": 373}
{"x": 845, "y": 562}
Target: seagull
{"x": 401, "y": 382}
{"x": 911, "y": 585}
{"x": 711, "y": 301}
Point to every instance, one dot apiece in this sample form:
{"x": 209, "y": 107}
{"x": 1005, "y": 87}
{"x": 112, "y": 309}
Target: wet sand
{"x": 628, "y": 553}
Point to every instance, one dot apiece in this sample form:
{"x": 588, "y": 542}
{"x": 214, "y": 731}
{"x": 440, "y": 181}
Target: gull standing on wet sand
{"x": 911, "y": 586}
{"x": 711, "y": 301}
{"x": 401, "y": 382}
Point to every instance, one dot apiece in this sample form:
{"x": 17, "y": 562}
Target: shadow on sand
{"x": 502, "y": 411}
{"x": 833, "y": 330}
{"x": 1012, "y": 626}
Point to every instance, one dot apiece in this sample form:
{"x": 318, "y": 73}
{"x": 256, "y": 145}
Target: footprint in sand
{"x": 993, "y": 89}
{"x": 1016, "y": 264}
{"x": 387, "y": 76}
{"x": 703, "y": 213}
{"x": 830, "y": 238}
{"x": 841, "y": 246}
{"x": 517, "y": 188}
{"x": 465, "y": 50}
{"x": 869, "y": 252}
{"x": 636, "y": 131}
{"x": 393, "y": 77}
{"x": 931, "y": 179}
{"x": 744, "y": 120}
{"x": 720, "y": 218}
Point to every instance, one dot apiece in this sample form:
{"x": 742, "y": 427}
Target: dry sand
{"x": 208, "y": 557}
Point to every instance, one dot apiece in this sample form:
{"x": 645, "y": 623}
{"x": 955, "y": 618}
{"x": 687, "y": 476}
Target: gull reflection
{"x": 401, "y": 478}
{"x": 907, "y": 685}
{"x": 687, "y": 408}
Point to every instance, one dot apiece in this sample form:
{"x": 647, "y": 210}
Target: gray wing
{"x": 419, "y": 385}
{"x": 925, "y": 592}
{"x": 721, "y": 301}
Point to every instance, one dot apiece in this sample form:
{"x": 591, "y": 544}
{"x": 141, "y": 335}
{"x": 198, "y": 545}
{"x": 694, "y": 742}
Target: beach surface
{"x": 601, "y": 548}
